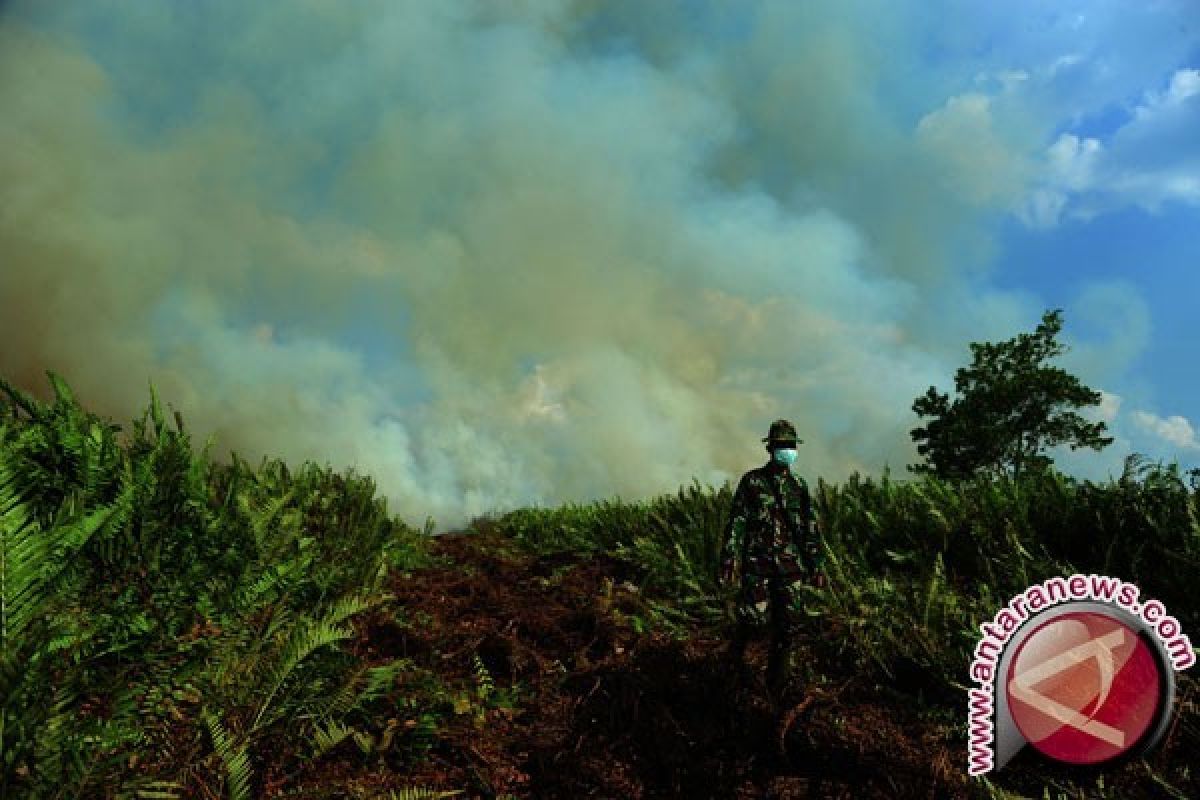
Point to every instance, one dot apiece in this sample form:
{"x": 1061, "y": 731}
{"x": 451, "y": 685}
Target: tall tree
{"x": 1011, "y": 406}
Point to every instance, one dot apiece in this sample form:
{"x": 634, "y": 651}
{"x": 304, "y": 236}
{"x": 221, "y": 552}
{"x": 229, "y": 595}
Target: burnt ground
{"x": 605, "y": 711}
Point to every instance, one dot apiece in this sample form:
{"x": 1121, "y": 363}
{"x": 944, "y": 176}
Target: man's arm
{"x": 814, "y": 555}
{"x": 735, "y": 533}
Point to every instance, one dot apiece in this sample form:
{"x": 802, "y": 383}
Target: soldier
{"x": 773, "y": 533}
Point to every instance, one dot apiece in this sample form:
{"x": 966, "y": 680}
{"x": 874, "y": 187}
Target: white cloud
{"x": 1069, "y": 167}
{"x": 1110, "y": 406}
{"x": 1006, "y": 79}
{"x": 1185, "y": 83}
{"x": 1063, "y": 62}
{"x": 1152, "y": 159}
{"x": 1073, "y": 161}
{"x": 1171, "y": 438}
{"x": 1175, "y": 430}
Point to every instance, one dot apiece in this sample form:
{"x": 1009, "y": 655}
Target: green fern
{"x": 263, "y": 517}
{"x": 484, "y": 684}
{"x": 165, "y": 540}
{"x": 23, "y": 400}
{"x": 341, "y": 700}
{"x": 233, "y": 756}
{"x": 328, "y": 736}
{"x": 309, "y": 636}
{"x": 423, "y": 793}
{"x": 33, "y": 563}
{"x": 152, "y": 790}
{"x": 363, "y": 686}
{"x": 31, "y": 558}
{"x": 381, "y": 679}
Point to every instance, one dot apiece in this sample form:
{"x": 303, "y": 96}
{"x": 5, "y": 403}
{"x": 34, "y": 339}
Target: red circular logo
{"x": 1084, "y": 688}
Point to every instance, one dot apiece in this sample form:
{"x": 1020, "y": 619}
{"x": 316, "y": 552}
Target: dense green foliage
{"x": 914, "y": 566}
{"x": 1011, "y": 406}
{"x": 667, "y": 541}
{"x": 153, "y": 600}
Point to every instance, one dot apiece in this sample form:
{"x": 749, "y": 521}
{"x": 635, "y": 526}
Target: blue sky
{"x": 506, "y": 253}
{"x": 1156, "y": 253}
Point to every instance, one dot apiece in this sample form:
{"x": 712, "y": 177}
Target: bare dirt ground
{"x": 606, "y": 711}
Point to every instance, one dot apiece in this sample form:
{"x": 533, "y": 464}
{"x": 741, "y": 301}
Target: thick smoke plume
{"x": 501, "y": 254}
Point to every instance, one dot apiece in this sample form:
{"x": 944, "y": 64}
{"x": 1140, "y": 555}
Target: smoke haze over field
{"x": 532, "y": 252}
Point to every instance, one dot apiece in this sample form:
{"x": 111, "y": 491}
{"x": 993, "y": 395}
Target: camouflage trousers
{"x": 770, "y": 590}
{"x": 772, "y": 599}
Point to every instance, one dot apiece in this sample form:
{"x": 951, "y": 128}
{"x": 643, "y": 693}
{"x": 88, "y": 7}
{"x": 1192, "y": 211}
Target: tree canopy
{"x": 1011, "y": 406}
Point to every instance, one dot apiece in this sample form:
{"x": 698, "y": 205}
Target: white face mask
{"x": 784, "y": 455}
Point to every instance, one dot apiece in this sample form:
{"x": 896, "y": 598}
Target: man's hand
{"x": 725, "y": 575}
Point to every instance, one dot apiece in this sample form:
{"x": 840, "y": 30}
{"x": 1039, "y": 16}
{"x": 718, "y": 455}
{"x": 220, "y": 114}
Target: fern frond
{"x": 233, "y": 757}
{"x": 56, "y": 728}
{"x": 154, "y": 790}
{"x": 308, "y": 637}
{"x": 484, "y": 685}
{"x": 155, "y": 412}
{"x": 31, "y": 559}
{"x": 328, "y": 737}
{"x": 363, "y": 685}
{"x": 264, "y": 515}
{"x": 351, "y": 604}
{"x": 23, "y": 555}
{"x": 341, "y": 700}
{"x": 364, "y": 740}
{"x": 26, "y": 402}
{"x": 423, "y": 793}
{"x": 381, "y": 678}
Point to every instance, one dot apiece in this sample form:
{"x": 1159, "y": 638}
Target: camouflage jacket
{"x": 759, "y": 535}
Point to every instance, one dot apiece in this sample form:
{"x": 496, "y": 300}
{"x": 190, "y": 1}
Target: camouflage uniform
{"x": 773, "y": 533}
